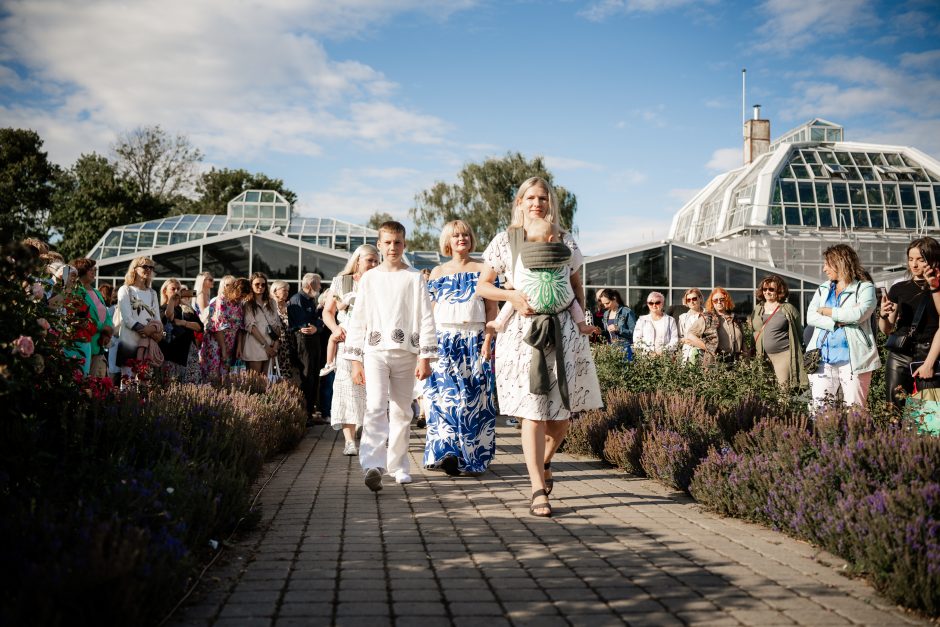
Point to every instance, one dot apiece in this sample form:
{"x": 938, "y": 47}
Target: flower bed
{"x": 110, "y": 497}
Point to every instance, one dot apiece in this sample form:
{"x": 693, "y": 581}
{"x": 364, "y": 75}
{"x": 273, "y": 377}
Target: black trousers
{"x": 308, "y": 358}
{"x": 898, "y": 373}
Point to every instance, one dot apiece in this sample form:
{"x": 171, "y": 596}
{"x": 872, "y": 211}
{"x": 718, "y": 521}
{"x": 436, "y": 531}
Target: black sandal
{"x": 549, "y": 481}
{"x": 450, "y": 466}
{"x": 540, "y": 506}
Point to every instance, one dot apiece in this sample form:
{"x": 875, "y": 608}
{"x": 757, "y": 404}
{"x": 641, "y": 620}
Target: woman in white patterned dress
{"x": 562, "y": 387}
{"x": 349, "y": 399}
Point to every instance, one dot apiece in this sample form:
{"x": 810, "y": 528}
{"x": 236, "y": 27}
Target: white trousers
{"x": 826, "y": 381}
{"x": 390, "y": 382}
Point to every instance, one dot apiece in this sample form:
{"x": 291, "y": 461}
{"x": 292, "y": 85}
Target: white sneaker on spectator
{"x": 350, "y": 448}
{"x": 327, "y": 369}
{"x": 374, "y": 479}
{"x": 402, "y": 477}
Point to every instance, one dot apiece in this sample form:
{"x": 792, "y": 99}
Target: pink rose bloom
{"x": 43, "y": 323}
{"x": 38, "y": 291}
{"x": 24, "y": 346}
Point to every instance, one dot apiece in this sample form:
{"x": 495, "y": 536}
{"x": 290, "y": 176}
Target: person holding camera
{"x": 262, "y": 325}
{"x": 908, "y": 316}
{"x": 179, "y": 327}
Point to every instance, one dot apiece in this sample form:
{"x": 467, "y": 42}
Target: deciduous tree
{"x": 159, "y": 165}
{"x": 216, "y": 187}
{"x": 27, "y": 181}
{"x": 378, "y": 218}
{"x": 482, "y": 197}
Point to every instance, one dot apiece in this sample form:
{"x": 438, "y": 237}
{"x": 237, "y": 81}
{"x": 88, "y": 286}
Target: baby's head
{"x": 539, "y": 230}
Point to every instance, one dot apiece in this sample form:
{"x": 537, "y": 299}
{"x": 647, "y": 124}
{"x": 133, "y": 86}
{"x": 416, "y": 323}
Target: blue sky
{"x": 361, "y": 104}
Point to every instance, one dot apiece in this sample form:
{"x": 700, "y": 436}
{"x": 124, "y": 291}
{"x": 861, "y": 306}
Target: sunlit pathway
{"x": 464, "y": 551}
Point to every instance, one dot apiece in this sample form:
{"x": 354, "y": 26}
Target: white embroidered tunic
{"x": 392, "y": 312}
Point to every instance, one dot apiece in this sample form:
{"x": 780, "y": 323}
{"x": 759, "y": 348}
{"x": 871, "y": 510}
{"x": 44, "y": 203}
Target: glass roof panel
{"x": 153, "y": 224}
{"x": 252, "y": 196}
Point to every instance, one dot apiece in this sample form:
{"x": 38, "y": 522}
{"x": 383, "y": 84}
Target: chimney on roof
{"x": 756, "y": 137}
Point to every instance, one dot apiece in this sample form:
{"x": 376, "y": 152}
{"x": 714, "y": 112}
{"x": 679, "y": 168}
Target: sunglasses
{"x": 691, "y": 299}
{"x": 718, "y": 300}
{"x": 147, "y": 267}
{"x": 770, "y": 289}
{"x": 259, "y": 284}
{"x": 654, "y": 302}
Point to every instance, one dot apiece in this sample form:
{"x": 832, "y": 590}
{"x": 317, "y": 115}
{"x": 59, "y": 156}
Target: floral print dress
{"x": 461, "y": 388}
{"x": 221, "y": 315}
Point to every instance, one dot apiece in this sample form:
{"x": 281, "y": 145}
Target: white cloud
{"x": 242, "y": 78}
{"x": 684, "y": 194}
{"x": 615, "y": 232}
{"x": 603, "y": 9}
{"x": 794, "y": 24}
{"x": 356, "y": 194}
{"x": 564, "y": 163}
{"x": 927, "y": 60}
{"x": 726, "y": 159}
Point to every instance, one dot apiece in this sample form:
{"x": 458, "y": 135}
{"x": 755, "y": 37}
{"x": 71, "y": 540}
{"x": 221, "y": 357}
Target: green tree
{"x": 159, "y": 165}
{"x": 378, "y": 218}
{"x": 216, "y": 187}
{"x": 90, "y": 198}
{"x": 483, "y": 198}
{"x": 27, "y": 181}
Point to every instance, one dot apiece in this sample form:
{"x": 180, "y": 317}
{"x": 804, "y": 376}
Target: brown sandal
{"x": 545, "y": 507}
{"x": 549, "y": 481}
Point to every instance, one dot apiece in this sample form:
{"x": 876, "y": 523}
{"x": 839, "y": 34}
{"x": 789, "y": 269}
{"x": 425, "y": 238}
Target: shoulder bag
{"x": 897, "y": 343}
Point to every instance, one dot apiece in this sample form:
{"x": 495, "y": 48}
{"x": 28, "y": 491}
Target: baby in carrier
{"x": 545, "y": 277}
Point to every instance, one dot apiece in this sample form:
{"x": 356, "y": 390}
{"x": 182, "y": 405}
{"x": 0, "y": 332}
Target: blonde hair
{"x": 223, "y": 283}
{"x": 200, "y": 282}
{"x": 518, "y": 214}
{"x": 455, "y": 227}
{"x": 844, "y": 260}
{"x": 131, "y": 277}
{"x": 166, "y": 284}
{"x": 353, "y": 264}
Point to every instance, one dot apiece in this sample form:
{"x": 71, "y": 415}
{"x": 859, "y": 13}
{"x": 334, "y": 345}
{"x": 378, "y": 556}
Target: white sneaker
{"x": 327, "y": 369}
{"x": 401, "y": 478}
{"x": 374, "y": 479}
{"x": 350, "y": 448}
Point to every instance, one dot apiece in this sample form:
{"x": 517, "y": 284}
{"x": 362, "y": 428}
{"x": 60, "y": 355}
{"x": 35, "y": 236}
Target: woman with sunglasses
{"x": 139, "y": 310}
{"x": 262, "y": 325}
{"x": 778, "y": 333}
{"x": 655, "y": 332}
{"x": 698, "y": 330}
{"x": 730, "y": 333}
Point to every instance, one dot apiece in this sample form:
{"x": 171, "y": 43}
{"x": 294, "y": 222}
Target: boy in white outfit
{"x": 391, "y": 341}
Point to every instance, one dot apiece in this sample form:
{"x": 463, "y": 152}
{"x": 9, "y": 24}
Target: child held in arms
{"x": 548, "y": 283}
{"x": 391, "y": 341}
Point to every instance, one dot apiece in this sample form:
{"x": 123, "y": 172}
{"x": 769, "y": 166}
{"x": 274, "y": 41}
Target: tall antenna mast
{"x": 743, "y": 106}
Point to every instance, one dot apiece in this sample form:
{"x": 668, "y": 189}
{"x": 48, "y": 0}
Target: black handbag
{"x": 897, "y": 343}
{"x": 813, "y": 357}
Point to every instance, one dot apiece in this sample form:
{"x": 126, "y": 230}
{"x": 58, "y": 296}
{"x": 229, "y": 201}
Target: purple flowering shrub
{"x": 623, "y": 449}
{"x": 667, "y": 457}
{"x": 868, "y": 492}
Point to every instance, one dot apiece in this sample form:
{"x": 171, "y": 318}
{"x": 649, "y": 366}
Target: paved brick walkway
{"x": 465, "y": 551}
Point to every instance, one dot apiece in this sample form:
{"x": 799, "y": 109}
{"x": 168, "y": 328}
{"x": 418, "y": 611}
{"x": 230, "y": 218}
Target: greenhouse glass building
{"x": 258, "y": 233}
{"x": 808, "y": 190}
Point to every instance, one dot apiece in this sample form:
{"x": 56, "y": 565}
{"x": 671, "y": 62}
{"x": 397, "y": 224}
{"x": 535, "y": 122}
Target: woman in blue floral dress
{"x": 461, "y": 436}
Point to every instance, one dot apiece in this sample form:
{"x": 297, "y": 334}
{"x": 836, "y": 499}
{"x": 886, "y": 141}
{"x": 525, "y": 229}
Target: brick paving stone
{"x": 442, "y": 551}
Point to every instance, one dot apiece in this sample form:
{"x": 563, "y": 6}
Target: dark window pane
{"x": 877, "y": 217}
{"x": 857, "y": 194}
{"x": 776, "y": 214}
{"x": 612, "y": 272}
{"x": 840, "y": 194}
{"x": 690, "y": 268}
{"x": 825, "y": 216}
{"x": 845, "y": 217}
{"x": 648, "y": 267}
{"x": 637, "y": 301}
{"x": 861, "y": 218}
{"x": 844, "y": 158}
{"x": 894, "y": 218}
{"x": 891, "y": 195}
{"x": 743, "y": 301}
{"x": 180, "y": 264}
{"x": 327, "y": 266}
{"x": 729, "y": 274}
{"x": 789, "y": 191}
{"x": 910, "y": 219}
{"x": 113, "y": 269}
{"x": 822, "y": 193}
{"x": 799, "y": 171}
{"x": 806, "y": 193}
{"x": 228, "y": 257}
{"x": 275, "y": 259}
{"x": 907, "y": 196}
{"x": 809, "y": 216}
{"x": 792, "y": 213}
{"x": 874, "y": 195}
